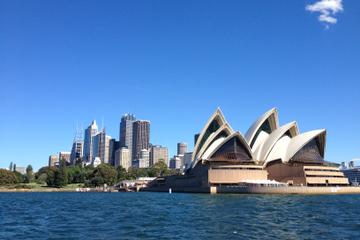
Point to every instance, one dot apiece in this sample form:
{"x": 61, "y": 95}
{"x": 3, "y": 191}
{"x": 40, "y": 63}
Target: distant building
{"x": 181, "y": 148}
{"x": 96, "y": 162}
{"x": 90, "y": 133}
{"x": 64, "y": 156}
{"x": 158, "y": 153}
{"x": 21, "y": 170}
{"x": 106, "y": 154}
{"x": 351, "y": 170}
{"x": 53, "y": 160}
{"x": 175, "y": 162}
{"x": 187, "y": 160}
{"x": 76, "y": 151}
{"x": 141, "y": 137}
{"x": 114, "y": 146}
{"x": 101, "y": 146}
{"x": 353, "y": 174}
{"x": 126, "y": 132}
{"x": 122, "y": 158}
{"x": 144, "y": 160}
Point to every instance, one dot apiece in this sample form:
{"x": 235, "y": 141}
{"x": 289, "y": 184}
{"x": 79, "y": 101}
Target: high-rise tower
{"x": 126, "y": 132}
{"x": 101, "y": 146}
{"x": 77, "y": 147}
{"x": 90, "y": 132}
{"x": 181, "y": 148}
{"x": 141, "y": 137}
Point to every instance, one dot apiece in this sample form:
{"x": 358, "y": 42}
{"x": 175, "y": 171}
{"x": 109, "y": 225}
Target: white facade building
{"x": 123, "y": 158}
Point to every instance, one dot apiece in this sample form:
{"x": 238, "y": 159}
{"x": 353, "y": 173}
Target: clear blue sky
{"x": 173, "y": 63}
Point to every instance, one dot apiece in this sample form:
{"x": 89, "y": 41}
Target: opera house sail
{"x": 268, "y": 154}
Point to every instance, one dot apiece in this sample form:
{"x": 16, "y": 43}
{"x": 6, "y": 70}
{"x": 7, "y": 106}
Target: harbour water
{"x": 177, "y": 216}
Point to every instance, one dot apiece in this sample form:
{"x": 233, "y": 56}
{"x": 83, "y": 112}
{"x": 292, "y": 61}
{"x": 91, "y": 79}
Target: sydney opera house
{"x": 267, "y": 155}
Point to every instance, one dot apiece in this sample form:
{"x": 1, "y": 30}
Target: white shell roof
{"x": 267, "y": 147}
{"x": 226, "y": 127}
{"x": 301, "y": 140}
{"x": 216, "y": 115}
{"x": 263, "y": 153}
{"x": 272, "y": 113}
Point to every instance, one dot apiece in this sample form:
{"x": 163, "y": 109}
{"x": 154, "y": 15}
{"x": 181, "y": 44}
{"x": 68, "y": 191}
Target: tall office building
{"x": 122, "y": 158}
{"x": 158, "y": 153}
{"x": 90, "y": 133}
{"x": 114, "y": 146}
{"x": 187, "y": 159}
{"x": 181, "y": 148}
{"x": 141, "y": 137}
{"x": 76, "y": 151}
{"x": 175, "y": 162}
{"x": 126, "y": 132}
{"x": 101, "y": 146}
{"x": 53, "y": 160}
{"x": 64, "y": 156}
{"x": 144, "y": 159}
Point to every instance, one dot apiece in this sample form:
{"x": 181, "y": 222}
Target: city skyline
{"x": 174, "y": 63}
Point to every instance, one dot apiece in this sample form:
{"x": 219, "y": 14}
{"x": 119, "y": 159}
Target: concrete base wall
{"x": 287, "y": 190}
{"x": 286, "y": 173}
{"x": 231, "y": 176}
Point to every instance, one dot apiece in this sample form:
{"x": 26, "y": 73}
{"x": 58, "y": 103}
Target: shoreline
{"x": 294, "y": 190}
{"x": 4, "y": 190}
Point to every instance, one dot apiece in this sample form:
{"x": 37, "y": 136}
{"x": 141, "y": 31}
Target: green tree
{"x": 50, "y": 178}
{"x": 11, "y": 166}
{"x": 134, "y": 173}
{"x": 29, "y": 174}
{"x": 104, "y": 173}
{"x": 158, "y": 169}
{"x": 121, "y": 173}
{"x": 76, "y": 174}
{"x": 79, "y": 162}
{"x": 61, "y": 176}
{"x": 41, "y": 179}
{"x": 14, "y": 168}
{"x": 20, "y": 177}
{"x": 7, "y": 177}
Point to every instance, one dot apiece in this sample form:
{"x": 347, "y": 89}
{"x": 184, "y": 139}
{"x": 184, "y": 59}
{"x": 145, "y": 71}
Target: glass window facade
{"x": 222, "y": 134}
{"x": 232, "y": 150}
{"x": 309, "y": 153}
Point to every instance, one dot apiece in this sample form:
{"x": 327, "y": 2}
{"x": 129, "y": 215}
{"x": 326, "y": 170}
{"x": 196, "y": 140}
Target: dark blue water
{"x": 177, "y": 216}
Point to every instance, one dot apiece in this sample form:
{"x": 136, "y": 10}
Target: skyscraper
{"x": 53, "y": 160}
{"x": 158, "y": 153}
{"x": 187, "y": 159}
{"x": 181, "y": 148}
{"x": 175, "y": 162}
{"x": 90, "y": 132}
{"x": 144, "y": 159}
{"x": 126, "y": 132}
{"x": 114, "y": 146}
{"x": 101, "y": 146}
{"x": 141, "y": 137}
{"x": 122, "y": 158}
{"x": 76, "y": 151}
{"x": 64, "y": 156}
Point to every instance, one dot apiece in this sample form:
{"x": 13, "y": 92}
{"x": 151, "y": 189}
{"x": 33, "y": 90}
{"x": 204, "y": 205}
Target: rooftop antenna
{"x": 78, "y": 133}
{"x": 102, "y": 123}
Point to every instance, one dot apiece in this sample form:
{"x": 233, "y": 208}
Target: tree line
{"x": 88, "y": 175}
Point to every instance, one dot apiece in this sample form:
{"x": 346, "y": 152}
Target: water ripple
{"x": 177, "y": 216}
